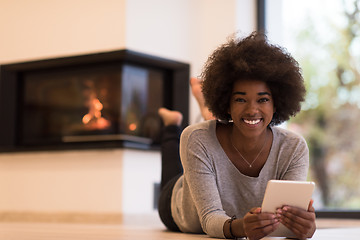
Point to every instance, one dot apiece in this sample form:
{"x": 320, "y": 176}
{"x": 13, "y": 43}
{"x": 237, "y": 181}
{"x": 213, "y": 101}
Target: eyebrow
{"x": 259, "y": 93}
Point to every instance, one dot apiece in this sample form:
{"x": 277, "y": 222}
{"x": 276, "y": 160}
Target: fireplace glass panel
{"x": 100, "y": 103}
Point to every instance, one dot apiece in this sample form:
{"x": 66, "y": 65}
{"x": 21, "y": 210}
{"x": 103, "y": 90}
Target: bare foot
{"x": 170, "y": 117}
{"x": 195, "y": 84}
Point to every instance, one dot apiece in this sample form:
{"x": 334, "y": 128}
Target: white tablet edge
{"x": 285, "y": 192}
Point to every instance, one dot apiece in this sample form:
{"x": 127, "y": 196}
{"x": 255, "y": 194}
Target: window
{"x": 324, "y": 36}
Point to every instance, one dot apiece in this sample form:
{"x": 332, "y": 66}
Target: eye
{"x": 263, "y": 100}
{"x": 239, "y": 100}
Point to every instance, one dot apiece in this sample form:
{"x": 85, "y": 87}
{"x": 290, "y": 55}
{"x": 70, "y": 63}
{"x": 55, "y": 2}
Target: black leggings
{"x": 171, "y": 170}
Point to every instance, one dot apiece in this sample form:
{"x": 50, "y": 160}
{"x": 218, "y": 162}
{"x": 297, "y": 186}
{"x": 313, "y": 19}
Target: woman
{"x": 251, "y": 86}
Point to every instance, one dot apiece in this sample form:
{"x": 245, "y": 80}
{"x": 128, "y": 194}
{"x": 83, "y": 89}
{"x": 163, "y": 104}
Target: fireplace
{"x": 98, "y": 100}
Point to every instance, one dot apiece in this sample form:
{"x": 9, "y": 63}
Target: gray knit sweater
{"x": 212, "y": 189}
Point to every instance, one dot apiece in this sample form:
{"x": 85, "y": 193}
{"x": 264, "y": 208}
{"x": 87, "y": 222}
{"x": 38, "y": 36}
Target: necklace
{"x": 250, "y": 164}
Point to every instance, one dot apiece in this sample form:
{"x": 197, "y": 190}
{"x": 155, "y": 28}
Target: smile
{"x": 252, "y": 122}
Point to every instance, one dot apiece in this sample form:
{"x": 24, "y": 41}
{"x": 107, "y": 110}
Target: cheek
{"x": 235, "y": 110}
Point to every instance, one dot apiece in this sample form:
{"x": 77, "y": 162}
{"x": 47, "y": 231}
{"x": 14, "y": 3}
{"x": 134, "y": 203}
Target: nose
{"x": 252, "y": 108}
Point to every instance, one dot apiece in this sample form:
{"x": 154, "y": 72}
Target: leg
{"x": 165, "y": 205}
{"x": 195, "y": 84}
{"x": 170, "y": 158}
{"x": 171, "y": 168}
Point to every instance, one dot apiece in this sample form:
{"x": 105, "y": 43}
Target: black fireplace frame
{"x": 176, "y": 93}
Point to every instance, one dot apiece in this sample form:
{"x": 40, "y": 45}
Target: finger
{"x": 301, "y": 224}
{"x": 255, "y": 210}
{"x": 295, "y": 222}
{"x": 269, "y": 228}
{"x": 260, "y": 225}
{"x": 268, "y": 223}
{"x": 258, "y": 233}
{"x": 310, "y": 207}
{"x": 297, "y": 213}
{"x": 297, "y": 230}
{"x": 251, "y": 217}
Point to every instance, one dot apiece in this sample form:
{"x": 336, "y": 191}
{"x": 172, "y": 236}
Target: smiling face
{"x": 251, "y": 107}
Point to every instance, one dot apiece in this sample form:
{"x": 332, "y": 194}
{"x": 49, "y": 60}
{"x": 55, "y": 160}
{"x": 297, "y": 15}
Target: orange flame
{"x": 93, "y": 118}
{"x": 132, "y": 126}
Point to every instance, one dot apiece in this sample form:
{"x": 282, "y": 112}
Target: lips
{"x": 252, "y": 121}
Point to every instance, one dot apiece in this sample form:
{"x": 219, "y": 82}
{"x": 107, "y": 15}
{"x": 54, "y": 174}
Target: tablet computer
{"x": 284, "y": 192}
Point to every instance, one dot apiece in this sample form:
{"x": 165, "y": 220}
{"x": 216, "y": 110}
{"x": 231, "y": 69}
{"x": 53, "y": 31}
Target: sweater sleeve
{"x": 199, "y": 173}
{"x": 299, "y": 160}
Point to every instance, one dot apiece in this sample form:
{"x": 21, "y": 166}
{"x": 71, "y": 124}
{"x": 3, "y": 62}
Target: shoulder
{"x": 289, "y": 139}
{"x": 199, "y": 129}
{"x": 199, "y": 135}
{"x": 196, "y": 142}
{"x": 283, "y": 134}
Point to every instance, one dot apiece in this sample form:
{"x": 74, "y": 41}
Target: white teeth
{"x": 252, "y": 122}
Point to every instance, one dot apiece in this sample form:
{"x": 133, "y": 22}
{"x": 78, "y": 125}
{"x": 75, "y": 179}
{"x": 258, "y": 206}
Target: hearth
{"x": 98, "y": 100}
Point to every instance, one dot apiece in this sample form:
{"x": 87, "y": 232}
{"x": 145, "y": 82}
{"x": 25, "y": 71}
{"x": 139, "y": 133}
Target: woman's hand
{"x": 299, "y": 221}
{"x": 258, "y": 225}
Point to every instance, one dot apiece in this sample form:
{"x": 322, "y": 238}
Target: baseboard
{"x": 61, "y": 217}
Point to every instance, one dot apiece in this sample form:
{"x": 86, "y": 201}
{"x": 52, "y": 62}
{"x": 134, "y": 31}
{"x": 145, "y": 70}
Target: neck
{"x": 255, "y": 154}
{"x": 248, "y": 144}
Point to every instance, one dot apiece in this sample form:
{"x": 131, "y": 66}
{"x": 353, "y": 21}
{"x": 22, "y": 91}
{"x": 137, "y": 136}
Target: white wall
{"x": 70, "y": 181}
{"x": 186, "y": 30}
{"x": 39, "y": 29}
{"x": 104, "y": 180}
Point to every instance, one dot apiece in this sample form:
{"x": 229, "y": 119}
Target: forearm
{"x": 234, "y": 228}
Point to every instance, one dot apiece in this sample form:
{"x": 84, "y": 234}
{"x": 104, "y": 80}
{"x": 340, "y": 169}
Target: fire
{"x": 86, "y": 119}
{"x": 93, "y": 119}
{"x": 132, "y": 127}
